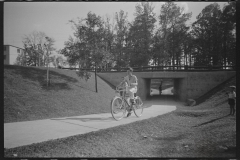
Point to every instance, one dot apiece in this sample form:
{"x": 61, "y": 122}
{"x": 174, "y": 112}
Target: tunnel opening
{"x": 172, "y": 88}
{"x": 162, "y": 88}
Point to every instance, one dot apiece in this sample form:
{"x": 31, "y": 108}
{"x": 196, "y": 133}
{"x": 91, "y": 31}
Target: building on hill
{"x": 11, "y": 53}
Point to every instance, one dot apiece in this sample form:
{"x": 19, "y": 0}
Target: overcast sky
{"x": 21, "y": 18}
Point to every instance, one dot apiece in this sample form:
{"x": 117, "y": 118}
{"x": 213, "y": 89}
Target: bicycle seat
{"x": 127, "y": 94}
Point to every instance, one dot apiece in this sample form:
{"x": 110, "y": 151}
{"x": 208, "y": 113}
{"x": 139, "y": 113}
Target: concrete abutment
{"x": 187, "y": 85}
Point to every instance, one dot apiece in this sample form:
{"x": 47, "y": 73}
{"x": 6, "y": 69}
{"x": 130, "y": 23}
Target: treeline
{"x": 210, "y": 40}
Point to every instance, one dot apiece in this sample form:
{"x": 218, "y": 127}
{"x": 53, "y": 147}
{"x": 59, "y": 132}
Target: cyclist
{"x": 132, "y": 82}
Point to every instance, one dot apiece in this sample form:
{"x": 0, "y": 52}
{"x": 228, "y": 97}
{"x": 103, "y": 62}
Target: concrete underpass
{"x": 186, "y": 85}
{"x": 161, "y": 87}
{"x": 169, "y": 89}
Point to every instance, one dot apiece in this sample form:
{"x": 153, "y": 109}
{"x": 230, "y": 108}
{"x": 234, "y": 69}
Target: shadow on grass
{"x": 191, "y": 114}
{"x": 56, "y": 86}
{"x": 39, "y": 74}
{"x": 222, "y": 102}
{"x": 211, "y": 121}
{"x": 170, "y": 138}
{"x": 83, "y": 87}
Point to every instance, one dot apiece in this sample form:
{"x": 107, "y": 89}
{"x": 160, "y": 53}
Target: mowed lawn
{"x": 206, "y": 130}
{"x": 26, "y": 96}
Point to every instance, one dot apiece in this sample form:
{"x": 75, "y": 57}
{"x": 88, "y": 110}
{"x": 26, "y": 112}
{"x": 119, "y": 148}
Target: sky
{"x": 52, "y": 18}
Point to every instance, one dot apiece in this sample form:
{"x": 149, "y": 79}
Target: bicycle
{"x": 119, "y": 105}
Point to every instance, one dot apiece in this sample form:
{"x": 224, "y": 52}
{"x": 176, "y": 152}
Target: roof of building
{"x": 12, "y": 46}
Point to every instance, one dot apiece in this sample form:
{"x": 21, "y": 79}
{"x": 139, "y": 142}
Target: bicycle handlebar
{"x": 123, "y": 88}
{"x": 118, "y": 90}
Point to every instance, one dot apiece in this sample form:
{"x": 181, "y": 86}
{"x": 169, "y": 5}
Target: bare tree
{"x": 37, "y": 47}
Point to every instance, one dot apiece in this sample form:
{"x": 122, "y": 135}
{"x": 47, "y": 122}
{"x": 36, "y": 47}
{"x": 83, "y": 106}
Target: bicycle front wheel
{"x": 118, "y": 109}
{"x": 138, "y": 107}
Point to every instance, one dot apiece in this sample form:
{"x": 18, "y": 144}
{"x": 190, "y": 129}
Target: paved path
{"x": 29, "y": 132}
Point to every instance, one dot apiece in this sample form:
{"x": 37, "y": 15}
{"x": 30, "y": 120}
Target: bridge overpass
{"x": 187, "y": 85}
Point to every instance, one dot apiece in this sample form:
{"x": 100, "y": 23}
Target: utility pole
{"x": 39, "y": 46}
{"x": 48, "y": 69}
{"x": 47, "y": 61}
{"x": 96, "y": 77}
{"x": 47, "y": 66}
{"x": 38, "y": 59}
{"x": 95, "y": 64}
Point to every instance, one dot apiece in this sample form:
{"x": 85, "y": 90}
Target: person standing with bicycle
{"x": 132, "y": 82}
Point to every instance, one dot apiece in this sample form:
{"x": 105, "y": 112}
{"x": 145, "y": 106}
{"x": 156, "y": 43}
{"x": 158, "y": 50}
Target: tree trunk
{"x": 173, "y": 55}
{"x": 190, "y": 59}
{"x": 225, "y": 50}
{"x": 96, "y": 77}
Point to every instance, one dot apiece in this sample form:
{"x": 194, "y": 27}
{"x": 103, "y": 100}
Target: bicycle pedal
{"x": 129, "y": 114}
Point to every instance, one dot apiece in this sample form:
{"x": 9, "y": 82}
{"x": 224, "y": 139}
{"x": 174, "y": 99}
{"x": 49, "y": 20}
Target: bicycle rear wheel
{"x": 138, "y": 107}
{"x": 118, "y": 109}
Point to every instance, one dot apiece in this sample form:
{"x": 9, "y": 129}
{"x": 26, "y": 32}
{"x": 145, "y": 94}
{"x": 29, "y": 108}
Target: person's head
{"x": 129, "y": 71}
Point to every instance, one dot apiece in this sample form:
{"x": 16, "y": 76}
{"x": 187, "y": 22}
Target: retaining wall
{"x": 187, "y": 85}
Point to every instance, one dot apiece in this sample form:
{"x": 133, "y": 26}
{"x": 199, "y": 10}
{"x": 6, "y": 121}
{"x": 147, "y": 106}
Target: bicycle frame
{"x": 124, "y": 97}
{"x": 129, "y": 107}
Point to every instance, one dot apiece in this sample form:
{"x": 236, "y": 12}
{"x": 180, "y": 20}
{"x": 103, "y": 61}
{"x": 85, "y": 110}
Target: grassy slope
{"x": 205, "y": 130}
{"x": 26, "y": 96}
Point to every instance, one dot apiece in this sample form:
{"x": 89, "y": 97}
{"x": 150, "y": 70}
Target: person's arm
{"x": 121, "y": 83}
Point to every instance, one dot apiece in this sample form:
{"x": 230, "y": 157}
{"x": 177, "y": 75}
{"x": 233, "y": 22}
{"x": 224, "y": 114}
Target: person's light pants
{"x": 131, "y": 92}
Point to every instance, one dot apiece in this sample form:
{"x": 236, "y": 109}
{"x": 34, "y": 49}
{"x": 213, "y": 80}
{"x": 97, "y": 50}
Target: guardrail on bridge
{"x": 185, "y": 68}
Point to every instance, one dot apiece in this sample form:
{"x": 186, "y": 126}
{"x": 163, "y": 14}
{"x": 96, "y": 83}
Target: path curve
{"x": 29, "y": 132}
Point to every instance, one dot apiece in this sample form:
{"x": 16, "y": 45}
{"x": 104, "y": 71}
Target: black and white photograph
{"x": 119, "y": 79}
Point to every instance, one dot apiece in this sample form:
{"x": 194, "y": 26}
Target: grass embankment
{"x": 205, "y": 130}
{"x": 26, "y": 96}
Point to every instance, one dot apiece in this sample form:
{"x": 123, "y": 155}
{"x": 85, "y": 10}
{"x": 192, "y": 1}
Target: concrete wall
{"x": 144, "y": 91}
{"x": 186, "y": 84}
{"x": 6, "y": 54}
{"x": 200, "y": 83}
{"x": 11, "y": 53}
